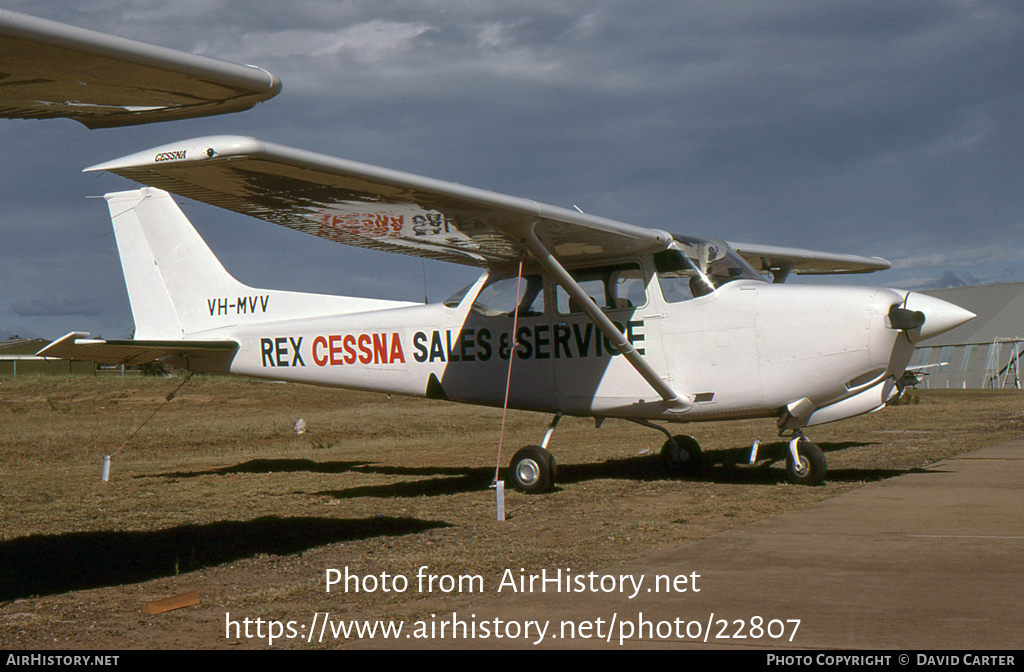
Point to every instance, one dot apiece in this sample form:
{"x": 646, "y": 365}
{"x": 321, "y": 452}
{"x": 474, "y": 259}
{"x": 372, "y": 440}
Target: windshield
{"x": 695, "y": 267}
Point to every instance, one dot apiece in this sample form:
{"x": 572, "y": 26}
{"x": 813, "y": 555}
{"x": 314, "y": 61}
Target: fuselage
{"x": 748, "y": 348}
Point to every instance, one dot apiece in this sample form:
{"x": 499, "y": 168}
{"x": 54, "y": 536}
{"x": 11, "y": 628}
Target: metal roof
{"x": 999, "y": 310}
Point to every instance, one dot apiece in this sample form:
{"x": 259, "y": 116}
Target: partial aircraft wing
{"x": 50, "y": 69}
{"x": 367, "y": 206}
{"x": 80, "y": 346}
{"x": 913, "y": 375}
{"x": 781, "y": 261}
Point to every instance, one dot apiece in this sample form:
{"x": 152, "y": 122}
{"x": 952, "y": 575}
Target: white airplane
{"x": 50, "y": 69}
{"x": 605, "y": 319}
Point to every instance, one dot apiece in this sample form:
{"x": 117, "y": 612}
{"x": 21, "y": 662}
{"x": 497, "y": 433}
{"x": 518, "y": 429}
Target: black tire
{"x": 532, "y": 470}
{"x": 811, "y": 470}
{"x": 684, "y": 458}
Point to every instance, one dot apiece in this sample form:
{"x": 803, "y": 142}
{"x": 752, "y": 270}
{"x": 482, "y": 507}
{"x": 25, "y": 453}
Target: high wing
{"x": 781, "y": 261}
{"x": 50, "y": 69}
{"x": 367, "y": 206}
{"x": 79, "y": 346}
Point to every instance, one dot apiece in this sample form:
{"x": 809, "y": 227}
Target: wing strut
{"x": 676, "y": 403}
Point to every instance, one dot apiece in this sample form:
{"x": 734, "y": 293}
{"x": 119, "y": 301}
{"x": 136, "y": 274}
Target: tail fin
{"x": 165, "y": 263}
{"x": 178, "y": 287}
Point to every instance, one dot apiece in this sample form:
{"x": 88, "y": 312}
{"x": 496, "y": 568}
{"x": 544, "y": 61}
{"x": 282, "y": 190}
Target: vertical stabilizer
{"x": 166, "y": 264}
{"x": 178, "y": 287}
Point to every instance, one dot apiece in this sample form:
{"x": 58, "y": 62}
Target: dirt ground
{"x": 217, "y": 494}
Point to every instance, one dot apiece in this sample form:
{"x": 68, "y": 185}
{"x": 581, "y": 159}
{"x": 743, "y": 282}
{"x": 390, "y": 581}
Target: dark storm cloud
{"x": 55, "y": 307}
{"x": 867, "y": 127}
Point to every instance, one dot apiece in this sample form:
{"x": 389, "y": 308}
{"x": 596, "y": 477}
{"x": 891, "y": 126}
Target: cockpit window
{"x": 678, "y": 276}
{"x": 615, "y": 287}
{"x": 498, "y": 297}
{"x": 693, "y": 267}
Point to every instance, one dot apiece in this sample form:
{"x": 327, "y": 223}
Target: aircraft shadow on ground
{"x": 47, "y": 565}
{"x": 455, "y": 481}
{"x": 722, "y": 466}
{"x": 267, "y": 466}
{"x": 732, "y": 465}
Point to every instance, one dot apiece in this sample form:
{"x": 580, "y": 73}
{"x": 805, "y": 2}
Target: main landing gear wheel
{"x": 811, "y": 468}
{"x": 684, "y": 457}
{"x": 532, "y": 470}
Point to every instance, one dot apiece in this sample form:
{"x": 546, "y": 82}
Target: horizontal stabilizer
{"x": 80, "y": 347}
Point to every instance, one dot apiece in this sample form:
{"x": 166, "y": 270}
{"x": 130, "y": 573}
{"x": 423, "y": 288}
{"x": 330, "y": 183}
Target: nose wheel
{"x": 681, "y": 455}
{"x": 532, "y": 470}
{"x": 805, "y": 463}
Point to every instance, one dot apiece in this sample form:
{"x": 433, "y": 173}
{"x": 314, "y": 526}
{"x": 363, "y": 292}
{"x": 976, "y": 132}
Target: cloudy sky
{"x": 871, "y": 127}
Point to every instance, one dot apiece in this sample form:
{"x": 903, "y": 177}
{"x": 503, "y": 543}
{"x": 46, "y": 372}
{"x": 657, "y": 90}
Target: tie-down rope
{"x": 167, "y": 400}
{"x": 508, "y": 379}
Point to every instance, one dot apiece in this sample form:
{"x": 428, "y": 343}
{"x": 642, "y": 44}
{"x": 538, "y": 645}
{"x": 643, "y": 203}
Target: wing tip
{"x": 188, "y": 151}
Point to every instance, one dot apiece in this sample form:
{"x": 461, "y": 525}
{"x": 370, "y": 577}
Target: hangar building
{"x": 982, "y": 353}
{"x": 18, "y": 358}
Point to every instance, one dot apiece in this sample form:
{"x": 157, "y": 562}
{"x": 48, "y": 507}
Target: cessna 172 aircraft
{"x": 573, "y": 314}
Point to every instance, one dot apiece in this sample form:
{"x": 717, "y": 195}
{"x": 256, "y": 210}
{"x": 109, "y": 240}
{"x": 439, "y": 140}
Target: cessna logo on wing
{"x": 170, "y": 156}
